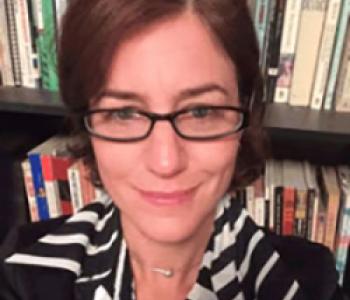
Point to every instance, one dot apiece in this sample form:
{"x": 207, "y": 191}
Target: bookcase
{"x": 27, "y": 117}
{"x": 321, "y": 137}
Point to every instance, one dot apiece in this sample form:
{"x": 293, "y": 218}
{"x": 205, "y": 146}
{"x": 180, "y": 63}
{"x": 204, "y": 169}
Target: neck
{"x": 151, "y": 258}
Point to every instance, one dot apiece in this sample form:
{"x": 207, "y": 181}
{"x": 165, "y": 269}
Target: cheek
{"x": 113, "y": 161}
{"x": 220, "y": 156}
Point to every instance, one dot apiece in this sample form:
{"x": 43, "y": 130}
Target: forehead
{"x": 170, "y": 56}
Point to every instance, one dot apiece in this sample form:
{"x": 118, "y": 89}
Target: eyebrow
{"x": 182, "y": 95}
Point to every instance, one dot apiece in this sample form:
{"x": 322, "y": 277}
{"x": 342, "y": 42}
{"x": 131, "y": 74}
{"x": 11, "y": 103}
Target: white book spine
{"x": 338, "y": 47}
{"x": 342, "y": 93}
{"x": 344, "y": 222}
{"x": 53, "y": 198}
{"x": 287, "y": 50}
{"x": 29, "y": 187}
{"x": 259, "y": 211}
{"x": 24, "y": 43}
{"x": 309, "y": 38}
{"x": 5, "y": 50}
{"x": 325, "y": 54}
{"x": 315, "y": 217}
{"x": 75, "y": 188}
{"x": 250, "y": 201}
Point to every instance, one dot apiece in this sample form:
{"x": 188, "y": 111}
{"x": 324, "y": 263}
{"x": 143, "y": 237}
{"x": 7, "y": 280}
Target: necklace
{"x": 165, "y": 272}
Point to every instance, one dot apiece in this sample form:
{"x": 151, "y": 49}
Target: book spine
{"x": 331, "y": 221}
{"x": 250, "y": 201}
{"x": 325, "y": 54}
{"x": 39, "y": 186}
{"x": 24, "y": 43}
{"x": 300, "y": 220}
{"x": 311, "y": 27}
{"x": 51, "y": 187}
{"x": 12, "y": 34}
{"x": 269, "y": 193}
{"x": 46, "y": 43}
{"x": 288, "y": 211}
{"x": 338, "y": 47}
{"x": 75, "y": 188}
{"x": 342, "y": 92}
{"x": 315, "y": 217}
{"x": 5, "y": 56}
{"x": 343, "y": 244}
{"x": 259, "y": 209}
{"x": 310, "y": 211}
{"x": 273, "y": 52}
{"x": 278, "y": 195}
{"x": 287, "y": 50}
{"x": 260, "y": 21}
{"x": 30, "y": 192}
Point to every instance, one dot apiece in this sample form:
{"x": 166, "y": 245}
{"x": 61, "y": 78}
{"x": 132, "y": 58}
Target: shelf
{"x": 306, "y": 120}
{"x": 30, "y": 101}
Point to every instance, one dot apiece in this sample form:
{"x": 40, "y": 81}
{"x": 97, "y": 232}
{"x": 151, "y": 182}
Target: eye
{"x": 126, "y": 113}
{"x": 201, "y": 111}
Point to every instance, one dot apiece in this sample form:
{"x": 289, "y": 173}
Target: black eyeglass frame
{"x": 170, "y": 117}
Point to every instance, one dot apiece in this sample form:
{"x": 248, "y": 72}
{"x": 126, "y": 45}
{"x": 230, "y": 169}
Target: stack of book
{"x": 298, "y": 198}
{"x": 55, "y": 183}
{"x": 305, "y": 51}
{"x": 28, "y": 31}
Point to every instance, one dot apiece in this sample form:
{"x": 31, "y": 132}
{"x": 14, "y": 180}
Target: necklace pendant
{"x": 165, "y": 272}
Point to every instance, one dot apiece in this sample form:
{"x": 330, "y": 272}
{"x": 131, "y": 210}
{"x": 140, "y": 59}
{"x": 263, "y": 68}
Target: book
{"x": 259, "y": 202}
{"x": 5, "y": 51}
{"x": 30, "y": 192}
{"x": 260, "y": 21}
{"x": 308, "y": 43}
{"x": 342, "y": 91}
{"x": 312, "y": 199}
{"x": 12, "y": 35}
{"x": 53, "y": 146}
{"x": 301, "y": 198}
{"x": 75, "y": 187}
{"x": 87, "y": 189}
{"x": 289, "y": 195}
{"x": 343, "y": 238}
{"x": 55, "y": 174}
{"x": 269, "y": 192}
{"x": 331, "y": 195}
{"x": 288, "y": 45}
{"x": 44, "y": 17}
{"x": 273, "y": 51}
{"x": 277, "y": 184}
{"x": 335, "y": 64}
{"x": 325, "y": 53}
{"x": 28, "y": 74}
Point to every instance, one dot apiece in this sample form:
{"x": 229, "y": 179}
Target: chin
{"x": 174, "y": 231}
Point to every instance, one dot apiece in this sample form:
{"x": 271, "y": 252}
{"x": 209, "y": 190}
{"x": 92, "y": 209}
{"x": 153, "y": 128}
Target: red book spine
{"x": 288, "y": 211}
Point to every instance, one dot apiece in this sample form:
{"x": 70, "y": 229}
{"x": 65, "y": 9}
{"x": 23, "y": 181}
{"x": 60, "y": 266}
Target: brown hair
{"x": 92, "y": 31}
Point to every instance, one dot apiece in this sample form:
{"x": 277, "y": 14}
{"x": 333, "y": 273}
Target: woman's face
{"x": 166, "y": 187}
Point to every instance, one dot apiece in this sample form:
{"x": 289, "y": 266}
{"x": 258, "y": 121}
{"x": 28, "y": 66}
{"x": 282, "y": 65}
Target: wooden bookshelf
{"x": 32, "y": 101}
{"x": 305, "y": 134}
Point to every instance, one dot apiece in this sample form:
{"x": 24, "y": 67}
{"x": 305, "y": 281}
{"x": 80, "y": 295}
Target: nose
{"x": 166, "y": 155}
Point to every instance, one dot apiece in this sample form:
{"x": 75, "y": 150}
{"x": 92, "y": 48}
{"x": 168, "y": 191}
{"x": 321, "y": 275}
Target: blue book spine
{"x": 261, "y": 19}
{"x": 39, "y": 187}
{"x": 343, "y": 242}
{"x": 339, "y": 43}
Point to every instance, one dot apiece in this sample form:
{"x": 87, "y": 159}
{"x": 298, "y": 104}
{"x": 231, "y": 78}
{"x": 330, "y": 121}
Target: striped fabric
{"x": 239, "y": 263}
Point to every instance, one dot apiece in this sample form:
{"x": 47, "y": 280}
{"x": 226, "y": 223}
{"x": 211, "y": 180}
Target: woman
{"x": 161, "y": 93}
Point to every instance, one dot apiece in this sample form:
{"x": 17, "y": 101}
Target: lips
{"x": 167, "y": 198}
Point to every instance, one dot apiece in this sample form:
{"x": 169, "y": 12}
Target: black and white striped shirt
{"x": 239, "y": 262}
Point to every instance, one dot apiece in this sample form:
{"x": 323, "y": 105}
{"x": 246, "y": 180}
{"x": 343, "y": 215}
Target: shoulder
{"x": 24, "y": 235}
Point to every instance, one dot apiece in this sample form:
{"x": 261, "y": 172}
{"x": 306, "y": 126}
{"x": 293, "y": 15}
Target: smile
{"x": 167, "y": 198}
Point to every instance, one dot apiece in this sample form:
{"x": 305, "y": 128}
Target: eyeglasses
{"x": 128, "y": 124}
